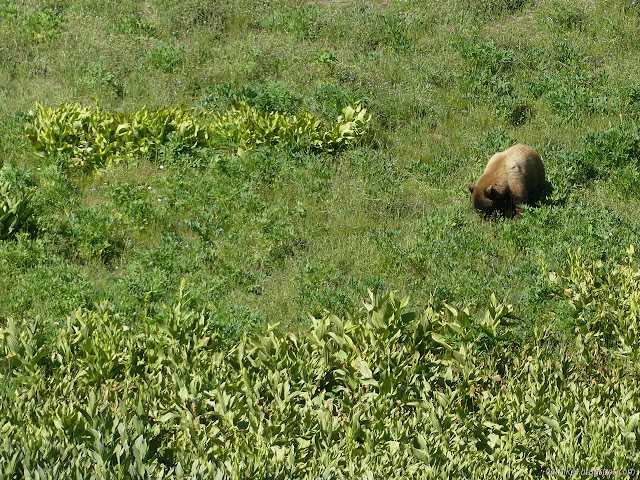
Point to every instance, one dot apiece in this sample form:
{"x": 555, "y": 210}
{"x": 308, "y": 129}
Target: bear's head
{"x": 486, "y": 200}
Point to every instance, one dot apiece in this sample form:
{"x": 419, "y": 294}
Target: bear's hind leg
{"x": 516, "y": 201}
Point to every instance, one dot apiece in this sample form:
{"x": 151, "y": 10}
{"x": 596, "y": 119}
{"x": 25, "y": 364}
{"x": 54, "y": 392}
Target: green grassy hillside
{"x": 270, "y": 227}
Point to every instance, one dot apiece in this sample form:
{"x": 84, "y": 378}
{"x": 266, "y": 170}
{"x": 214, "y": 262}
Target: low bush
{"x": 92, "y": 137}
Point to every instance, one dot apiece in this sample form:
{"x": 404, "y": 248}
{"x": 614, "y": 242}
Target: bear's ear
{"x": 471, "y": 186}
{"x": 489, "y": 191}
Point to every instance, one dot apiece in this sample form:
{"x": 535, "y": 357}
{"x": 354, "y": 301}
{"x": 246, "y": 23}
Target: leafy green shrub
{"x": 605, "y": 300}
{"x": 243, "y": 126}
{"x": 84, "y": 134}
{"x": 15, "y": 209}
{"x": 93, "y": 137}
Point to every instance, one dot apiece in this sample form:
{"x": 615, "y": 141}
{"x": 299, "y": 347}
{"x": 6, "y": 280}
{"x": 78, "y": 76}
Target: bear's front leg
{"x": 516, "y": 213}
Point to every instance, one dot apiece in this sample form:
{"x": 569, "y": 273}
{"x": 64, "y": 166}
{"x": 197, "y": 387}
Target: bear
{"x": 510, "y": 179}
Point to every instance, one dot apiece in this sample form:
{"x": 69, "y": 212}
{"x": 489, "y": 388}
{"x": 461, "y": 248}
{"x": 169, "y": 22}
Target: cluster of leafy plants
{"x": 605, "y": 303}
{"x": 15, "y": 207}
{"x": 244, "y": 126}
{"x": 382, "y": 392}
{"x": 35, "y": 23}
{"x": 92, "y": 137}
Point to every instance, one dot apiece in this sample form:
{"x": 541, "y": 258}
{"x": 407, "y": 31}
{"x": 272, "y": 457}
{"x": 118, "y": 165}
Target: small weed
{"x": 631, "y": 96}
{"x": 218, "y": 97}
{"x": 131, "y": 203}
{"x": 95, "y": 236}
{"x": 486, "y": 57}
{"x": 270, "y": 96}
{"x": 325, "y": 57}
{"x": 165, "y": 56}
{"x": 304, "y": 22}
{"x": 510, "y": 103}
{"x": 566, "y": 16}
{"x": 495, "y": 140}
{"x": 397, "y": 33}
{"x": 42, "y": 24}
{"x": 611, "y": 149}
{"x": 103, "y": 79}
{"x": 495, "y": 8}
{"x": 330, "y": 97}
{"x": 442, "y": 166}
{"x": 135, "y": 25}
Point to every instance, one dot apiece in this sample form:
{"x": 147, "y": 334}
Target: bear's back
{"x": 523, "y": 166}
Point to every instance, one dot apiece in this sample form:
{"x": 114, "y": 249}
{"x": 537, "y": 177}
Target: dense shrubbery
{"x": 92, "y": 137}
{"x": 383, "y": 393}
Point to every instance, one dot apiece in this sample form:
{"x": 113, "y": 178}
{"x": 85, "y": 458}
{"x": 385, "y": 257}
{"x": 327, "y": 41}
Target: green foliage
{"x": 165, "y": 56}
{"x": 93, "y": 137}
{"x": 380, "y": 393}
{"x": 270, "y": 96}
{"x": 495, "y": 140}
{"x": 396, "y": 33}
{"x": 605, "y": 304}
{"x": 494, "y": 8}
{"x": 486, "y": 57}
{"x": 243, "y": 126}
{"x": 103, "y": 78}
{"x": 42, "y": 23}
{"x": 303, "y": 22}
{"x": 611, "y": 149}
{"x": 135, "y": 24}
{"x": 566, "y": 15}
{"x": 15, "y": 206}
{"x": 491, "y": 65}
{"x": 92, "y": 235}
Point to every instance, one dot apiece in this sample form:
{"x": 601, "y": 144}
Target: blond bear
{"x": 510, "y": 179}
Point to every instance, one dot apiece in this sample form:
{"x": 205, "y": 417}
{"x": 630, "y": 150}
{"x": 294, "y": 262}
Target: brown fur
{"x": 510, "y": 179}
